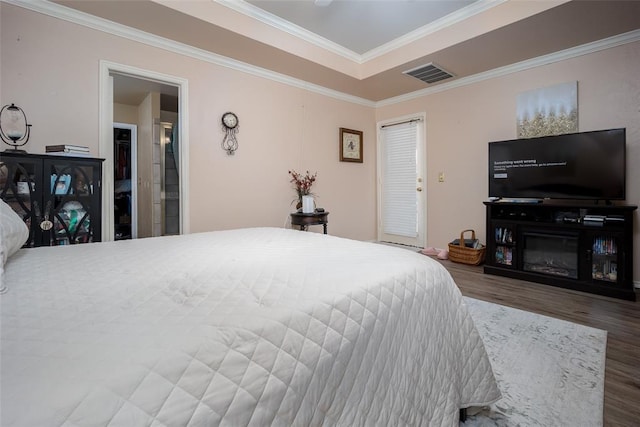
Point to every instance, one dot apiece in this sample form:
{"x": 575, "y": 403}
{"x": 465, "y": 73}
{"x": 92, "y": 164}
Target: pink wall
{"x": 48, "y": 64}
{"x": 51, "y": 69}
{"x": 461, "y": 121}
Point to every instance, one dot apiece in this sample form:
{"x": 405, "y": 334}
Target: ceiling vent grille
{"x": 429, "y": 73}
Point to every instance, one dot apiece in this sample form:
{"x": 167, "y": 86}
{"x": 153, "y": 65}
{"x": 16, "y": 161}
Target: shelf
{"x": 504, "y": 235}
{"x": 609, "y": 289}
{"x": 605, "y": 256}
{"x": 549, "y": 243}
{"x": 66, "y": 173}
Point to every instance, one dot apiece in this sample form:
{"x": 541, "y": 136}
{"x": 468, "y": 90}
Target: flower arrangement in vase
{"x": 302, "y": 184}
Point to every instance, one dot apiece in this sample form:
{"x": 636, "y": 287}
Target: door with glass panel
{"x": 401, "y": 186}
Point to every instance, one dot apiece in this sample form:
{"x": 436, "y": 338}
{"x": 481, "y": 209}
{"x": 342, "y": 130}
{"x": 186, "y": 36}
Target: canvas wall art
{"x": 551, "y": 110}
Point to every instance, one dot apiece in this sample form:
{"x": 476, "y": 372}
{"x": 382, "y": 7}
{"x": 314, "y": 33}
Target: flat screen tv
{"x": 585, "y": 165}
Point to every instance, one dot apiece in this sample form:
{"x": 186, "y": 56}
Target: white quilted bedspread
{"x": 251, "y": 327}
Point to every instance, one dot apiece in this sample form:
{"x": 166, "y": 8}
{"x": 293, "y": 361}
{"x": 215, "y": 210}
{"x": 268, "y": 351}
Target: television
{"x": 585, "y": 165}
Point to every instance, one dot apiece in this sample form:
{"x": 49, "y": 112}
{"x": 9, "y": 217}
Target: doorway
{"x": 401, "y": 186}
{"x": 152, "y": 103}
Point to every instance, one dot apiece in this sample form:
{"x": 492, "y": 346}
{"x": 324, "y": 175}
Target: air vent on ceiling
{"x": 429, "y": 73}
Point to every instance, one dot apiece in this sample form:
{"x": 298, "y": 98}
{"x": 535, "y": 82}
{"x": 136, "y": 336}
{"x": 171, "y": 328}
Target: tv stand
{"x": 521, "y": 201}
{"x": 576, "y": 245}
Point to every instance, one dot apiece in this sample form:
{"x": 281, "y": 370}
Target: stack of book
{"x": 69, "y": 150}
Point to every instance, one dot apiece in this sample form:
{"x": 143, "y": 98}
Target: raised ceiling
{"x": 361, "y": 26}
{"x": 301, "y": 40}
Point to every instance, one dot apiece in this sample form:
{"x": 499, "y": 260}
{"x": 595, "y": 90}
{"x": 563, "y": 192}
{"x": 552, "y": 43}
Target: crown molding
{"x": 446, "y": 21}
{"x": 70, "y": 15}
{"x": 81, "y": 18}
{"x": 278, "y": 23}
{"x": 585, "y": 49}
{"x": 268, "y": 18}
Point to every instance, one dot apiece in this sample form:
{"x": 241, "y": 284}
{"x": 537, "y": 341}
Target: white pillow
{"x": 13, "y": 232}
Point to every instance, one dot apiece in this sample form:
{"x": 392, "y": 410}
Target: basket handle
{"x": 473, "y": 236}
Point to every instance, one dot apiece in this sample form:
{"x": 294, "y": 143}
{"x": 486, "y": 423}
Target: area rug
{"x": 550, "y": 372}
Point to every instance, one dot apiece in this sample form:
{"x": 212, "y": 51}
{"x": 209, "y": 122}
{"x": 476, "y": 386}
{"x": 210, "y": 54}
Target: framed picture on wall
{"x": 350, "y": 145}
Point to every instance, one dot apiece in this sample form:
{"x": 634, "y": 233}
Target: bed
{"x": 249, "y": 327}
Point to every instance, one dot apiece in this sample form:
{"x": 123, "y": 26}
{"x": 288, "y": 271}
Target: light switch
{"x": 441, "y": 177}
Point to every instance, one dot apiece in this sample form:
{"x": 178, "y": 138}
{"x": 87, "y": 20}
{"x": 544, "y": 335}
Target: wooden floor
{"x": 621, "y": 319}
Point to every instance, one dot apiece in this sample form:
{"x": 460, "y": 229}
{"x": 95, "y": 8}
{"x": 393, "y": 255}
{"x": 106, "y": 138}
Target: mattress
{"x": 249, "y": 327}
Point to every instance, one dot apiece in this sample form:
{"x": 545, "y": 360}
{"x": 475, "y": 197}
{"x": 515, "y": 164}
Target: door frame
{"x": 106, "y": 138}
{"x": 421, "y": 172}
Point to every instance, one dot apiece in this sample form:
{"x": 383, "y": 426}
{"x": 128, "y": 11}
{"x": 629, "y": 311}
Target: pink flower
{"x": 302, "y": 183}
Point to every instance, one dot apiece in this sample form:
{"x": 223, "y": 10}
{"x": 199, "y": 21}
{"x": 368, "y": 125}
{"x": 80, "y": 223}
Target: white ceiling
{"x": 361, "y": 48}
{"x": 129, "y": 90}
{"x": 360, "y": 25}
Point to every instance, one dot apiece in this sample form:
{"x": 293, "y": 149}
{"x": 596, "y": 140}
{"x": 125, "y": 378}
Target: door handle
{"x": 46, "y": 224}
{"x": 419, "y": 189}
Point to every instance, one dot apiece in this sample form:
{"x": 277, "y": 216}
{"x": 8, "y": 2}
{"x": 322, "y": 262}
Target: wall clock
{"x": 350, "y": 145}
{"x": 230, "y": 124}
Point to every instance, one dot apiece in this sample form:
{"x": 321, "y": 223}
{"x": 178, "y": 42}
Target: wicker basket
{"x": 462, "y": 254}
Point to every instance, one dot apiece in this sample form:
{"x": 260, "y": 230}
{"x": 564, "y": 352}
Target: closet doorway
{"x": 152, "y": 109}
{"x": 145, "y": 188}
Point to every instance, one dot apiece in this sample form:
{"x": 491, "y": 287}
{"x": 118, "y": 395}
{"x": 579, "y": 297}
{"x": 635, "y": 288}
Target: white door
{"x": 401, "y": 186}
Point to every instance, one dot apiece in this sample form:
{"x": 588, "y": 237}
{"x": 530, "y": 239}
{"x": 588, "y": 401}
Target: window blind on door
{"x": 399, "y": 198}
